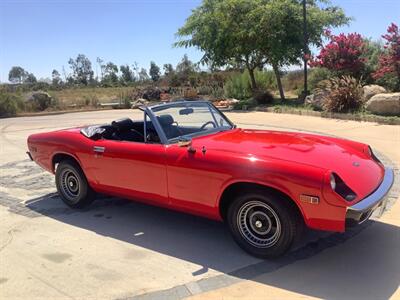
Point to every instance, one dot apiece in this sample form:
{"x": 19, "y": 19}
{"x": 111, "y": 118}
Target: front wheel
{"x": 72, "y": 185}
{"x": 265, "y": 226}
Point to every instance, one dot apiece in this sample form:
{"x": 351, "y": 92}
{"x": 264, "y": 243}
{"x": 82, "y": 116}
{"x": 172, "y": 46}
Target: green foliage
{"x": 316, "y": 75}
{"x": 56, "y": 78}
{"x": 40, "y": 101}
{"x": 82, "y": 72}
{"x": 244, "y": 104}
{"x": 127, "y": 75}
{"x": 154, "y": 71}
{"x": 230, "y": 31}
{"x": 238, "y": 85}
{"x": 372, "y": 51}
{"x": 143, "y": 77}
{"x": 17, "y": 74}
{"x": 110, "y": 77}
{"x": 10, "y": 104}
{"x": 342, "y": 94}
{"x": 168, "y": 69}
{"x": 263, "y": 97}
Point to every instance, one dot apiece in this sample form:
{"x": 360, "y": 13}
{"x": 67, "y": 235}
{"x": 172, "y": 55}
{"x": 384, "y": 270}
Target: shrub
{"x": 316, "y": 76}
{"x": 263, "y": 97}
{"x": 40, "y": 101}
{"x": 238, "y": 85}
{"x": 342, "y": 94}
{"x": 389, "y": 61}
{"x": 244, "y": 104}
{"x": 10, "y": 104}
{"x": 217, "y": 92}
{"x": 344, "y": 54}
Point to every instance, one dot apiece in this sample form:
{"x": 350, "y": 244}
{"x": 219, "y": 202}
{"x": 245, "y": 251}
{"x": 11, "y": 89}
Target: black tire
{"x": 72, "y": 185}
{"x": 264, "y": 225}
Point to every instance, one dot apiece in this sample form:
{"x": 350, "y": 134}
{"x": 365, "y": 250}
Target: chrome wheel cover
{"x": 70, "y": 185}
{"x": 259, "y": 224}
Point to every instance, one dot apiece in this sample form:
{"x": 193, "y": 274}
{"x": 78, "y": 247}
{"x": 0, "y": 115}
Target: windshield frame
{"x": 150, "y": 110}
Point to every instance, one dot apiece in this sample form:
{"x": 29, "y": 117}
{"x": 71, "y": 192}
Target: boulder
{"x": 384, "y": 104}
{"x": 372, "y": 90}
{"x": 316, "y": 100}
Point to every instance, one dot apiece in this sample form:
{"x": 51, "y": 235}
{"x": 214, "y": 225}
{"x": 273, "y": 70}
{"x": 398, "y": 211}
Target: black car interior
{"x": 127, "y": 130}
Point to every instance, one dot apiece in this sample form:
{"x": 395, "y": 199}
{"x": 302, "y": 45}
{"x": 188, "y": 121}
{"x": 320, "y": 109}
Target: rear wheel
{"x": 72, "y": 185}
{"x": 263, "y": 225}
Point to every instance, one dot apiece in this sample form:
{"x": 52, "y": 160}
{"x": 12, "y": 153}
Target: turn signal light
{"x": 309, "y": 199}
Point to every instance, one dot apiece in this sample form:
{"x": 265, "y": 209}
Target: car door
{"x": 131, "y": 169}
{"x": 194, "y": 178}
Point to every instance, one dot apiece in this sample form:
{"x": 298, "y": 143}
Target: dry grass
{"x": 87, "y": 96}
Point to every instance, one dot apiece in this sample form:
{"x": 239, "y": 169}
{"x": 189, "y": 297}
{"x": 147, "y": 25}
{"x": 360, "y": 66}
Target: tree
{"x": 255, "y": 33}
{"x": 56, "y": 77}
{"x": 184, "y": 70}
{"x": 100, "y": 62}
{"x": 168, "y": 69}
{"x": 110, "y": 73}
{"x": 143, "y": 75}
{"x": 154, "y": 71}
{"x": 17, "y": 75}
{"x": 344, "y": 54}
{"x": 389, "y": 61}
{"x": 127, "y": 75}
{"x": 30, "y": 78}
{"x": 82, "y": 72}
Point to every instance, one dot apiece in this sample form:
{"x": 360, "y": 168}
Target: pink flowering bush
{"x": 343, "y": 54}
{"x": 389, "y": 61}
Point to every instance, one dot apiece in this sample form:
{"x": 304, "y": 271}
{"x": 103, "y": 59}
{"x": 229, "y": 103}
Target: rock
{"x": 316, "y": 100}
{"x": 384, "y": 104}
{"x": 372, "y": 90}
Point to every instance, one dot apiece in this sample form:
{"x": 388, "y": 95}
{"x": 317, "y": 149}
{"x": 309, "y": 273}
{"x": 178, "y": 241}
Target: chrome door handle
{"x": 99, "y": 149}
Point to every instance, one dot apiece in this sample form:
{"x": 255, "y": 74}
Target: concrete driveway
{"x": 118, "y": 249}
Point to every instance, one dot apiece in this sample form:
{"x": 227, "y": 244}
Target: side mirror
{"x": 186, "y": 142}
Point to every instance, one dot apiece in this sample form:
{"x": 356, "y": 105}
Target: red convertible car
{"x": 187, "y": 156}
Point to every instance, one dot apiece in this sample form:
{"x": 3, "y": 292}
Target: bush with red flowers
{"x": 389, "y": 61}
{"x": 344, "y": 54}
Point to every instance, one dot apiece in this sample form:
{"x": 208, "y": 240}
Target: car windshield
{"x": 190, "y": 119}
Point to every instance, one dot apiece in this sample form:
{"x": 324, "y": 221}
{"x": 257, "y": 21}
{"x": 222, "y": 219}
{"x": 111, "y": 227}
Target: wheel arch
{"x": 60, "y": 156}
{"x": 227, "y": 196}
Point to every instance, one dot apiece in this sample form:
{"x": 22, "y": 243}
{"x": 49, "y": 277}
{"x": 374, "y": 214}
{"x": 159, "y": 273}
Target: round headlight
{"x": 333, "y": 182}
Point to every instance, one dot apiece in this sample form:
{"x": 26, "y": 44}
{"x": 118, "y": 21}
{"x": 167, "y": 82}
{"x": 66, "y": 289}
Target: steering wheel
{"x": 208, "y": 123}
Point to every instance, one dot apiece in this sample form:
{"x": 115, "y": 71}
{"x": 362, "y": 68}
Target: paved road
{"x": 119, "y": 249}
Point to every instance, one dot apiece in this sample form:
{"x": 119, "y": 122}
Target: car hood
{"x": 346, "y": 158}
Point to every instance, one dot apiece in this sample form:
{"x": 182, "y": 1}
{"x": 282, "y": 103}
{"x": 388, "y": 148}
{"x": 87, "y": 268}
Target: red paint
{"x": 170, "y": 176}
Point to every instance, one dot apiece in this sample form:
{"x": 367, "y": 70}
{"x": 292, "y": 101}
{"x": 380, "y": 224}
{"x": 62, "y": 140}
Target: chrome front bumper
{"x": 362, "y": 210}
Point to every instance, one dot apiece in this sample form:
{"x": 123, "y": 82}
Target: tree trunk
{"x": 279, "y": 82}
{"x": 252, "y": 79}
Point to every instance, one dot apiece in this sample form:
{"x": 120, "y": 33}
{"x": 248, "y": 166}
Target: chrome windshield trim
{"x": 376, "y": 197}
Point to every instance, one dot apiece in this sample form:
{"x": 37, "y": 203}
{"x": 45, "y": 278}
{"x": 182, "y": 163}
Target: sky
{"x": 41, "y": 35}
